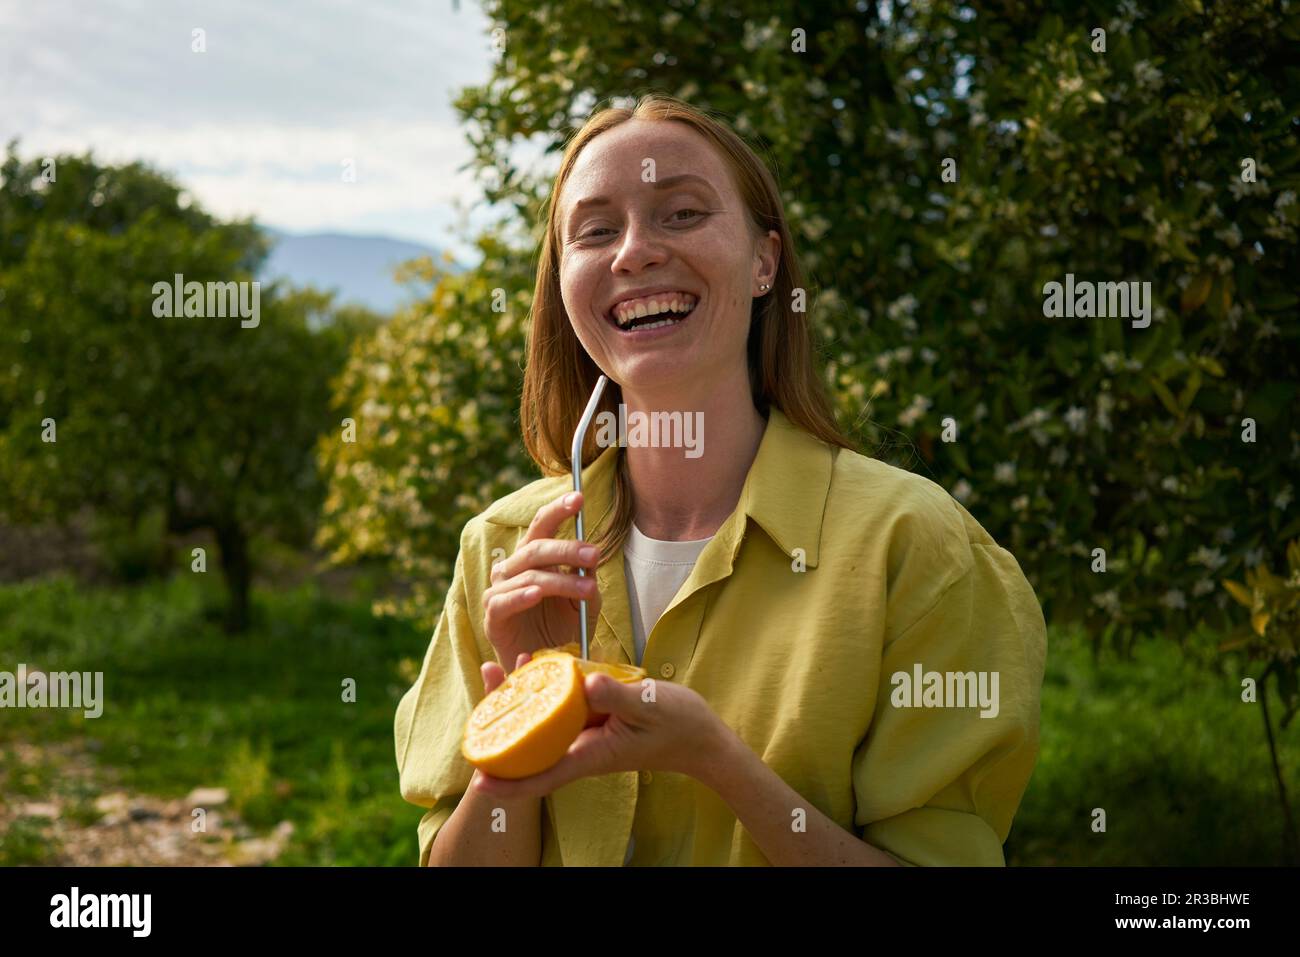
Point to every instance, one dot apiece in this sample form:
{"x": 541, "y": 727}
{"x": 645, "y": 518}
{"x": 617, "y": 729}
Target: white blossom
{"x": 1108, "y": 600}
{"x": 909, "y": 416}
{"x": 1283, "y": 498}
{"x": 902, "y": 307}
{"x": 1148, "y": 76}
{"x": 1211, "y": 558}
{"x": 1230, "y": 235}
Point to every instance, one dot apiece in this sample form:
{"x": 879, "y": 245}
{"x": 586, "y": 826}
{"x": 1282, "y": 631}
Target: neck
{"x": 681, "y": 498}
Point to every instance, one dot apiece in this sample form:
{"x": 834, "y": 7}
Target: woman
{"x": 846, "y": 666}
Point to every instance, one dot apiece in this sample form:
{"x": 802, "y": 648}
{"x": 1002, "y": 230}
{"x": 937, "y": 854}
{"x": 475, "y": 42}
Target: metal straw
{"x": 579, "y": 440}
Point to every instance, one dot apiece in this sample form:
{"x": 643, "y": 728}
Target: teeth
{"x": 625, "y": 313}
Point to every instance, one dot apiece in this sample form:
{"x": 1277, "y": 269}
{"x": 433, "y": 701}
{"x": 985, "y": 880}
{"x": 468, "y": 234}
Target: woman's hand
{"x": 494, "y": 674}
{"x": 533, "y": 600}
{"x": 653, "y": 726}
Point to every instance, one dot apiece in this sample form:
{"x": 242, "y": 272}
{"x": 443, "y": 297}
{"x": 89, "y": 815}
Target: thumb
{"x": 606, "y": 695}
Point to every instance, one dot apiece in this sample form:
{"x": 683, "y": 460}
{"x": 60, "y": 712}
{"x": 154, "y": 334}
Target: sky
{"x": 261, "y": 122}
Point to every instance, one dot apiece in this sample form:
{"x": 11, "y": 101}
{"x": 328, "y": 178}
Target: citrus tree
{"x": 104, "y": 403}
{"x": 426, "y": 430}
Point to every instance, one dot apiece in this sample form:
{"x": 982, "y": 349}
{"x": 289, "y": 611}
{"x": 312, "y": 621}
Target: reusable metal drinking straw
{"x": 579, "y": 440}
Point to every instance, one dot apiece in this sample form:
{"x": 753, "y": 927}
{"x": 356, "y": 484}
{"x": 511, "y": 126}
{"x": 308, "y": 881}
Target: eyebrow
{"x": 666, "y": 183}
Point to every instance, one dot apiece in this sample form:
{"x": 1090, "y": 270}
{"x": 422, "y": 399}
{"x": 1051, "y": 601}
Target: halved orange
{"x": 528, "y": 722}
{"x": 628, "y": 674}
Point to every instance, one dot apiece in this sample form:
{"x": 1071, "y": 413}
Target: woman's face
{"x": 667, "y": 242}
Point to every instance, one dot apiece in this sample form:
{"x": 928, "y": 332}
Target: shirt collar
{"x": 785, "y": 491}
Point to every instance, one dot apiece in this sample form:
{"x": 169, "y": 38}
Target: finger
{"x": 550, "y": 584}
{"x": 500, "y": 605}
{"x": 498, "y": 609}
{"x": 593, "y": 603}
{"x": 551, "y": 516}
{"x": 546, "y": 553}
{"x": 587, "y": 756}
{"x": 503, "y": 789}
{"x": 523, "y": 659}
{"x": 607, "y": 695}
{"x": 493, "y": 675}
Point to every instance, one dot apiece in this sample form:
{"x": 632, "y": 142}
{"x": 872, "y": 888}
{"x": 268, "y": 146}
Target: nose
{"x": 639, "y": 250}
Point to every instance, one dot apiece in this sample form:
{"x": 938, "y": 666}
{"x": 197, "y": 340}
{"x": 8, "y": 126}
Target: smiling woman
{"x": 773, "y": 586}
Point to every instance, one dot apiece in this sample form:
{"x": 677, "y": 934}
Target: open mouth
{"x": 652, "y": 312}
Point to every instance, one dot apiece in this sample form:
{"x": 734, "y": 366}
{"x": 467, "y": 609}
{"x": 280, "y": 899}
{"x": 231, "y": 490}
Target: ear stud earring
{"x": 763, "y": 287}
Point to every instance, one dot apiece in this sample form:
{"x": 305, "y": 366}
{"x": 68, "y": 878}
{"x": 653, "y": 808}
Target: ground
{"x": 62, "y": 807}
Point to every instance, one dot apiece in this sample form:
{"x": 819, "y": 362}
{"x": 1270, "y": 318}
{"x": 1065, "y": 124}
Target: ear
{"x": 767, "y": 256}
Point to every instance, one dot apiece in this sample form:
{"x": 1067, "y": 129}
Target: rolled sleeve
{"x": 940, "y": 785}
{"x": 431, "y": 717}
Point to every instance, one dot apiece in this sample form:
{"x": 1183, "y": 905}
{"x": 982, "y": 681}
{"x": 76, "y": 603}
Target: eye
{"x": 686, "y": 215}
{"x": 595, "y": 233}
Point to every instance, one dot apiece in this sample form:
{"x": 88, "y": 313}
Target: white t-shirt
{"x": 655, "y": 571}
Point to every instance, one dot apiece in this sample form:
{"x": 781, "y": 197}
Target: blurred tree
{"x": 1112, "y": 160}
{"x": 211, "y": 422}
{"x": 434, "y": 397}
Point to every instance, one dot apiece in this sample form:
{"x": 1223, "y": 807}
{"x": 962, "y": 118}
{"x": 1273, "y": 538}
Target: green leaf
{"x": 1276, "y": 300}
{"x": 958, "y": 456}
{"x": 1211, "y": 365}
{"x": 1239, "y": 592}
{"x": 1286, "y": 684}
{"x": 1196, "y": 292}
{"x": 1166, "y": 397}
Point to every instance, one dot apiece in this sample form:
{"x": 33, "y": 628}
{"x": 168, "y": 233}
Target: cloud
{"x": 260, "y": 123}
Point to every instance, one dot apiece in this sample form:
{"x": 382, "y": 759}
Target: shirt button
{"x": 667, "y": 669}
{"x": 646, "y": 777}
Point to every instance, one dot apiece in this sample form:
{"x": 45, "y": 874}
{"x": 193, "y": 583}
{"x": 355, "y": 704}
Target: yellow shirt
{"x": 837, "y": 582}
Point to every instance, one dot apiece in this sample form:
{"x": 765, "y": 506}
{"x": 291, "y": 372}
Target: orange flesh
{"x": 628, "y": 674}
{"x": 526, "y": 725}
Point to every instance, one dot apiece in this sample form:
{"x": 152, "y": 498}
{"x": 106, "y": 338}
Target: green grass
{"x": 1162, "y": 742}
{"x": 186, "y": 705}
{"x": 26, "y": 842}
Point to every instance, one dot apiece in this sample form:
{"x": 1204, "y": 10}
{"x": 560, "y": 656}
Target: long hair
{"x": 559, "y": 376}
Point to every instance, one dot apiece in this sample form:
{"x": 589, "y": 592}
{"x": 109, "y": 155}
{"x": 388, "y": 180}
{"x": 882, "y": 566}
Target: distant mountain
{"x": 358, "y": 268}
